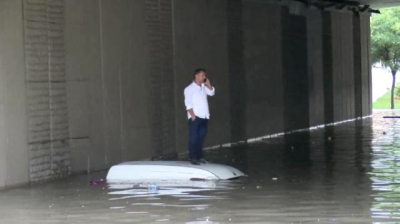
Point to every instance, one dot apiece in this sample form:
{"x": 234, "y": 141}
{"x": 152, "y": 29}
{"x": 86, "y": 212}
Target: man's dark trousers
{"x": 197, "y": 134}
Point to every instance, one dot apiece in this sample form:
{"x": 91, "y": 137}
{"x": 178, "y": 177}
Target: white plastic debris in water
{"x": 117, "y": 207}
{"x": 274, "y": 178}
{"x": 152, "y": 188}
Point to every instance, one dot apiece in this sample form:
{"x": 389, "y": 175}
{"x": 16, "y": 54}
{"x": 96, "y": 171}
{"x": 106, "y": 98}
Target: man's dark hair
{"x": 198, "y": 70}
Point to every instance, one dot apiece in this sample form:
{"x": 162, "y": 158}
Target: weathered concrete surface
{"x": 263, "y": 62}
{"x": 366, "y": 80}
{"x": 14, "y": 154}
{"x": 159, "y": 22}
{"x": 343, "y": 66}
{"x": 295, "y": 71}
{"x": 237, "y": 77}
{"x": 82, "y": 32}
{"x": 315, "y": 68}
{"x": 107, "y": 83}
{"x": 362, "y": 70}
{"x": 357, "y": 67}
{"x": 46, "y": 89}
{"x": 327, "y": 66}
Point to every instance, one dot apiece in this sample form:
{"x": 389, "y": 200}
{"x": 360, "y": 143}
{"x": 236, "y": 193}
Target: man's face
{"x": 200, "y": 77}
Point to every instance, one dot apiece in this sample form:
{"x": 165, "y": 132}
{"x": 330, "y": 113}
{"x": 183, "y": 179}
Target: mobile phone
{"x": 205, "y": 80}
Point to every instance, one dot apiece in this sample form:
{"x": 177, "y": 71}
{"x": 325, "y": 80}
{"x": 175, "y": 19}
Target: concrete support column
{"x": 14, "y": 154}
{"x": 295, "y": 71}
{"x": 343, "y": 65}
{"x": 263, "y": 63}
{"x": 357, "y": 66}
{"x": 161, "y": 74}
{"x": 46, "y": 89}
{"x": 366, "y": 64}
{"x": 107, "y": 82}
{"x": 237, "y": 76}
{"x": 327, "y": 66}
{"x": 315, "y": 67}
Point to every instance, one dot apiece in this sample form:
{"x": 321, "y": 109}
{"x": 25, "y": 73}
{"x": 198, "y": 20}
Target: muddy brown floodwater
{"x": 348, "y": 173}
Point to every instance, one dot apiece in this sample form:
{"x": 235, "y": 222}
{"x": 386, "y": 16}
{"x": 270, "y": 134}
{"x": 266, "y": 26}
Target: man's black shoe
{"x": 194, "y": 162}
{"x": 203, "y": 160}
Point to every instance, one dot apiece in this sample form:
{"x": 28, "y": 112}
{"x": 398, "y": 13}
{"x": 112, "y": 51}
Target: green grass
{"x": 384, "y": 102}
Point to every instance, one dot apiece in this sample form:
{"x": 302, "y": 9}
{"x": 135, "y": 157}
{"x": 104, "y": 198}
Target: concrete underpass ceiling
{"x": 376, "y": 3}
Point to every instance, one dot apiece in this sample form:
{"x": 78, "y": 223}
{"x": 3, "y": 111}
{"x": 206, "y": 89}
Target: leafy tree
{"x": 397, "y": 92}
{"x": 385, "y": 31}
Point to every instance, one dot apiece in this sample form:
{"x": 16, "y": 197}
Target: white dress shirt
{"x": 196, "y": 99}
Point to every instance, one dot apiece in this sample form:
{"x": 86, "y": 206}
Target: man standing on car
{"x": 198, "y": 113}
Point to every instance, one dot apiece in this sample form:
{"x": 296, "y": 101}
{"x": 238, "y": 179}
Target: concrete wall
{"x": 295, "y": 71}
{"x": 48, "y": 128}
{"x": 366, "y": 81}
{"x": 83, "y": 66}
{"x": 346, "y": 66}
{"x": 315, "y": 68}
{"x": 327, "y": 66}
{"x": 160, "y": 72}
{"x": 343, "y": 66}
{"x": 236, "y": 72}
{"x": 87, "y": 84}
{"x": 263, "y": 63}
{"x": 362, "y": 70}
{"x": 14, "y": 154}
{"x": 107, "y": 82}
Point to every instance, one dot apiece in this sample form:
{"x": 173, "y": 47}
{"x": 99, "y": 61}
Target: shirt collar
{"x": 197, "y": 86}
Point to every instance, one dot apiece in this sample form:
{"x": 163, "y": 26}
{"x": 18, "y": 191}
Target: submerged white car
{"x": 170, "y": 170}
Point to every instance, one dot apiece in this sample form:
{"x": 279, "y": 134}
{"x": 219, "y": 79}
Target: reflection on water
{"x": 385, "y": 173}
{"x": 179, "y": 189}
{"x": 339, "y": 174}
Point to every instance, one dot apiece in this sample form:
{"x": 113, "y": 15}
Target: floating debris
{"x": 97, "y": 182}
